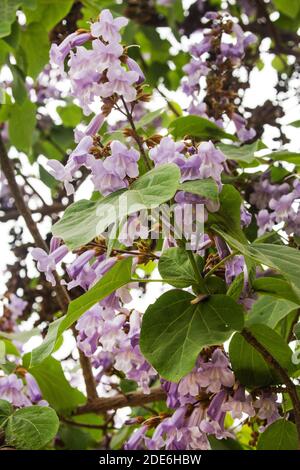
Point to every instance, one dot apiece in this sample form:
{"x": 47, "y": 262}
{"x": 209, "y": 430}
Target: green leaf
{"x": 5, "y": 411}
{"x": 49, "y": 12}
{"x": 54, "y": 386}
{"x": 10, "y": 348}
{"x": 207, "y": 188}
{"x": 270, "y": 310}
{"x": 18, "y": 87}
{"x": 149, "y": 117}
{"x": 196, "y": 126}
{"x": 243, "y": 154}
{"x": 70, "y": 115}
{"x": 116, "y": 277}
{"x": 284, "y": 155}
{"x": 290, "y": 8}
{"x": 21, "y": 125}
{"x": 84, "y": 220}
{"x": 31, "y": 428}
{"x": 174, "y": 265}
{"x": 8, "y": 10}
{"x": 248, "y": 364}
{"x": 36, "y": 57}
{"x": 174, "y": 330}
{"x": 281, "y": 435}
{"x": 236, "y": 287}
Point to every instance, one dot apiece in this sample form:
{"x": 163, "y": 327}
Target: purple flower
{"x": 91, "y": 129}
{"x": 81, "y": 152}
{"x": 239, "y": 404}
{"x": 216, "y": 373}
{"x": 84, "y": 74}
{"x": 119, "y": 81}
{"x": 212, "y": 160}
{"x": 246, "y": 216}
{"x": 166, "y": 151}
{"x": 63, "y": 173}
{"x": 282, "y": 206}
{"x": 46, "y": 263}
{"x": 267, "y": 407}
{"x": 195, "y": 69}
{"x": 11, "y": 389}
{"x": 123, "y": 161}
{"x": 136, "y": 439}
{"x": 76, "y": 267}
{"x": 243, "y": 133}
{"x": 106, "y": 55}
{"x": 16, "y": 306}
{"x": 190, "y": 384}
{"x": 237, "y": 50}
{"x": 265, "y": 221}
{"x": 108, "y": 27}
{"x": 189, "y": 167}
{"x": 33, "y": 389}
{"x": 234, "y": 267}
{"x": 134, "y": 66}
{"x": 104, "y": 180}
{"x": 58, "y": 53}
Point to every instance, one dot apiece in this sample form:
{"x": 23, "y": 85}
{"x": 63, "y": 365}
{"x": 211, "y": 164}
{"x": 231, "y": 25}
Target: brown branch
{"x": 62, "y": 295}
{"x": 101, "y": 405}
{"x": 290, "y": 386}
{"x": 13, "y": 214}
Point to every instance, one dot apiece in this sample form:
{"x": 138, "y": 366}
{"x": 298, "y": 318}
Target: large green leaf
{"x": 83, "y": 220}
{"x": 116, "y": 277}
{"x": 174, "y": 330}
{"x": 54, "y": 386}
{"x": 207, "y": 188}
{"x": 174, "y": 265}
{"x": 197, "y": 126}
{"x": 270, "y": 310}
{"x": 31, "y": 428}
{"x": 21, "y": 125}
{"x": 281, "y": 435}
{"x": 248, "y": 364}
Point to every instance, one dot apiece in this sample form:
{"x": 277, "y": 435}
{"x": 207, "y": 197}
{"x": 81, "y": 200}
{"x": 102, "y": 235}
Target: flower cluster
{"x": 277, "y": 204}
{"x": 213, "y": 61}
{"x": 201, "y": 400}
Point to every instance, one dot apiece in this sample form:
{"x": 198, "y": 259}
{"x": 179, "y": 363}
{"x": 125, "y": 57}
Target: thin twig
{"x": 135, "y": 134}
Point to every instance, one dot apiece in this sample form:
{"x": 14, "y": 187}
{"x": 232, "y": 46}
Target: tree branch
{"x": 13, "y": 214}
{"x": 62, "y": 294}
{"x": 100, "y": 405}
{"x": 290, "y": 386}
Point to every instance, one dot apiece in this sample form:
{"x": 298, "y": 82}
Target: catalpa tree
{"x": 150, "y": 202}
